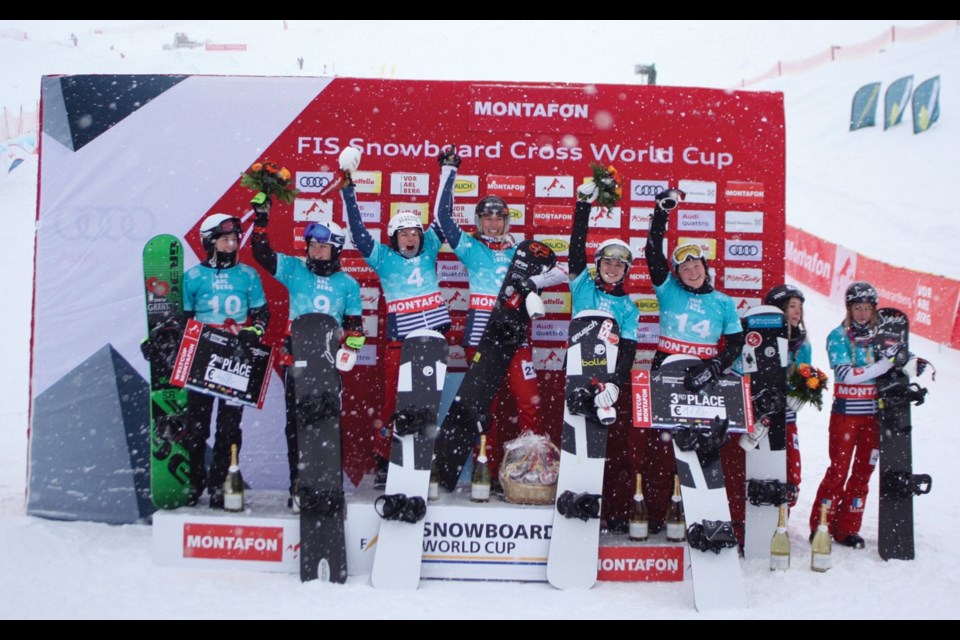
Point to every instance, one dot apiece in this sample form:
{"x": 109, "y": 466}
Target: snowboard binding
{"x": 763, "y": 493}
{"x": 399, "y": 506}
{"x": 712, "y": 535}
{"x": 172, "y": 427}
{"x": 463, "y": 415}
{"x": 324, "y": 503}
{"x": 320, "y": 407}
{"x": 903, "y": 484}
{"x": 411, "y": 420}
{"x": 701, "y": 440}
{"x": 768, "y": 402}
{"x": 583, "y": 506}
{"x": 898, "y": 393}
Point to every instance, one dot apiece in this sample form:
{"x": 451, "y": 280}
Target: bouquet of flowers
{"x": 806, "y": 387}
{"x": 609, "y": 184}
{"x": 270, "y": 179}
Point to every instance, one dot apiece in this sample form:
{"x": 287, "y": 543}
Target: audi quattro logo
{"x": 744, "y": 250}
{"x": 313, "y": 181}
{"x": 646, "y": 189}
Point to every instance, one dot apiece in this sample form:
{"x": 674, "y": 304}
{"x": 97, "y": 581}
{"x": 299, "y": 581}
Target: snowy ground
{"x": 82, "y": 570}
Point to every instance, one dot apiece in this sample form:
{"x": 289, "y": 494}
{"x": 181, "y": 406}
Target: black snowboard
{"x": 898, "y": 483}
{"x": 506, "y": 330}
{"x": 315, "y": 339}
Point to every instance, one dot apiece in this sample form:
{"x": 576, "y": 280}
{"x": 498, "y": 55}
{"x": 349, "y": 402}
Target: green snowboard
{"x": 163, "y": 286}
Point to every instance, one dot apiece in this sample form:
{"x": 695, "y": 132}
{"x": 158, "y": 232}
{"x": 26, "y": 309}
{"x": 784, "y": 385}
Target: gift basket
{"x": 528, "y": 473}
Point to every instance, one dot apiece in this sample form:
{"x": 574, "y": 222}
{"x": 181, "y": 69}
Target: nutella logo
{"x": 367, "y": 181}
{"x": 233, "y": 542}
{"x": 507, "y": 186}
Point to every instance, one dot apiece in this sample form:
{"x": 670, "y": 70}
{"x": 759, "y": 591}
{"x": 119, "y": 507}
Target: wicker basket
{"x": 520, "y": 493}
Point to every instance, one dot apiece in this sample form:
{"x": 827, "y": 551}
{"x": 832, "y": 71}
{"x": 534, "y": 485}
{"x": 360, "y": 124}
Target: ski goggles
{"x": 230, "y": 225}
{"x": 322, "y": 234}
{"x": 615, "y": 253}
{"x": 687, "y": 252}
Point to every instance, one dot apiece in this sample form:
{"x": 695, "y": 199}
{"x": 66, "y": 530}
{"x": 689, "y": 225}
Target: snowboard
{"x": 765, "y": 358}
{"x": 898, "y": 483}
{"x": 163, "y": 287}
{"x": 505, "y": 331}
{"x": 399, "y": 547}
{"x": 714, "y": 558}
{"x": 314, "y": 339}
{"x": 574, "y": 541}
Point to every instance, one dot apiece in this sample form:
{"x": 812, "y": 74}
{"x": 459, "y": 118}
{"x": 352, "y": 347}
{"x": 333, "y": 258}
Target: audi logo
{"x": 647, "y": 189}
{"x": 307, "y": 182}
{"x": 743, "y": 250}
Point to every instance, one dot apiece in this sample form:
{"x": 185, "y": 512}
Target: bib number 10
{"x": 231, "y": 305}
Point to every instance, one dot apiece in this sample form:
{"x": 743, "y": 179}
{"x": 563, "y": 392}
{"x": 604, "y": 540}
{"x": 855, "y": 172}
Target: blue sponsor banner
{"x": 864, "y": 110}
{"x": 895, "y": 101}
{"x": 926, "y": 104}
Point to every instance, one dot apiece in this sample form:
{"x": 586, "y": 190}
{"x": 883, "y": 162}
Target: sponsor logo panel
{"x": 410, "y": 184}
{"x": 553, "y": 186}
{"x": 699, "y": 191}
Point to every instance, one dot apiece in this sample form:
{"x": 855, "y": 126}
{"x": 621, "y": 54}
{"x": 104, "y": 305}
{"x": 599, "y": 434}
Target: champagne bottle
{"x": 639, "y": 521}
{"x": 233, "y": 485}
{"x": 433, "y": 490}
{"x": 676, "y": 521}
{"x": 821, "y": 546}
{"x": 480, "y": 481}
{"x": 780, "y": 544}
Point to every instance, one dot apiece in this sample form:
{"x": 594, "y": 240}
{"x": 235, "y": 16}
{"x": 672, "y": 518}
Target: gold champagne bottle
{"x": 480, "y": 481}
{"x": 780, "y": 544}
{"x": 639, "y": 521}
{"x": 821, "y": 546}
{"x": 433, "y": 489}
{"x": 676, "y": 520}
{"x": 233, "y": 485}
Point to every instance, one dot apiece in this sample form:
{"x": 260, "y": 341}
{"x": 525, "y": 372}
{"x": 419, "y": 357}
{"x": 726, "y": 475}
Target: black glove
{"x": 261, "y": 207}
{"x": 700, "y": 375}
{"x": 526, "y": 286}
{"x": 251, "y": 335}
{"x": 448, "y": 157}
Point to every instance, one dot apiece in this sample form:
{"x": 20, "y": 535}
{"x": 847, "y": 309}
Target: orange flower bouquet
{"x": 807, "y": 384}
{"x": 609, "y": 184}
{"x": 270, "y": 179}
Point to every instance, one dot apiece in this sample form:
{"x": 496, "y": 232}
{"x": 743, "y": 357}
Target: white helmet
{"x": 214, "y": 226}
{"x": 613, "y": 249}
{"x": 404, "y": 221}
